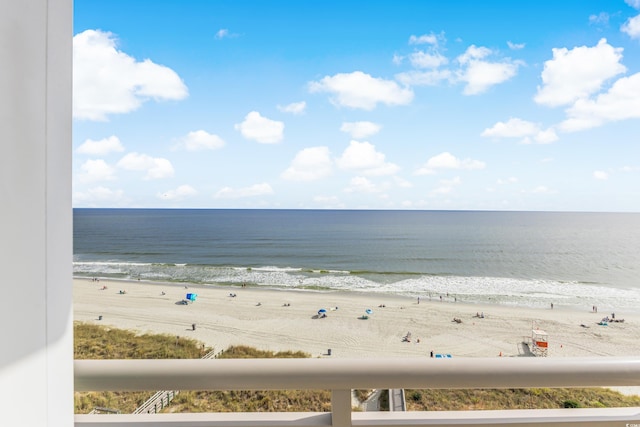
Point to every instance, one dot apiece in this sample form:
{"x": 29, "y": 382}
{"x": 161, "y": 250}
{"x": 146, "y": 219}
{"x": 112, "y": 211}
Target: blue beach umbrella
{"x": 368, "y": 311}
{"x": 322, "y": 310}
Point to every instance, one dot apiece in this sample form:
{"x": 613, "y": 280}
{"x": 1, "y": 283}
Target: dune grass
{"x": 97, "y": 342}
{"x": 533, "y": 398}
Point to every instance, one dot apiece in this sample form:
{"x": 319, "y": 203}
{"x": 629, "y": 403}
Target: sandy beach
{"x": 278, "y": 320}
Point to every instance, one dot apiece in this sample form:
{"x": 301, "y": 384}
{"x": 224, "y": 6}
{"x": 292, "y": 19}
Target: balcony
{"x": 342, "y": 375}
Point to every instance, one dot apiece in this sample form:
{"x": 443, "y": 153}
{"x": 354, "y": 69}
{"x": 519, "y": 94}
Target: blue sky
{"x": 469, "y": 105}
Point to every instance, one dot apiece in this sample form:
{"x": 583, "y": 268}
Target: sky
{"x": 404, "y": 104}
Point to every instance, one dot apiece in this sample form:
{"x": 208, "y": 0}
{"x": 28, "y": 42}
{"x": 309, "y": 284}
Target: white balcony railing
{"x": 342, "y": 375}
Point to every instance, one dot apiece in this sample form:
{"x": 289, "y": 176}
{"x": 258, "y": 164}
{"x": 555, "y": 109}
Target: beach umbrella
{"x": 368, "y": 311}
{"x": 322, "y": 310}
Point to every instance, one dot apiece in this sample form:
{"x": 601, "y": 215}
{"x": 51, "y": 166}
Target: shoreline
{"x": 286, "y": 319}
{"x": 447, "y": 297}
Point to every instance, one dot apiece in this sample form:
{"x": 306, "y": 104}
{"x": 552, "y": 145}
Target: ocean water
{"x": 533, "y": 259}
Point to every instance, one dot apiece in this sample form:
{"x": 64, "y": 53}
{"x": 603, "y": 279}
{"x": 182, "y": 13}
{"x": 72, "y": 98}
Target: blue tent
{"x": 192, "y": 297}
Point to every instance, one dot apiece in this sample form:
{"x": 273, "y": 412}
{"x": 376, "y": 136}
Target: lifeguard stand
{"x": 539, "y": 343}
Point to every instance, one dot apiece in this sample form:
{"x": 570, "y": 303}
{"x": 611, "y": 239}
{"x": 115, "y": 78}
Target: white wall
{"x": 36, "y": 358}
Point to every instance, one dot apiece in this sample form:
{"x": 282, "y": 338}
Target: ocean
{"x": 531, "y": 259}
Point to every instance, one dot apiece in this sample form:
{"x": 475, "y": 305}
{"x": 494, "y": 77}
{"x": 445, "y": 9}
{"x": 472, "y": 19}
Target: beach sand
{"x": 279, "y": 320}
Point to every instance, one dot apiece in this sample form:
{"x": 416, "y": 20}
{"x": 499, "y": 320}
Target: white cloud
{"x": 633, "y": 3}
{"x": 518, "y": 128}
{"x": 479, "y": 74}
{"x": 201, "y": 140}
{"x": 96, "y": 170}
{"x": 515, "y": 46}
{"x": 577, "y": 73}
{"x": 309, "y": 164}
{"x": 108, "y": 81}
{"x": 180, "y": 193}
{"x": 474, "y": 53}
{"x": 546, "y": 136}
{"x": 294, "y": 107}
{"x": 446, "y": 186}
{"x": 360, "y": 90}
{"x": 360, "y": 130}
{"x": 360, "y": 184}
{"x": 424, "y": 39}
{"x": 601, "y": 175}
{"x": 222, "y": 33}
{"x": 252, "y": 191}
{"x": 424, "y": 78}
{"x": 621, "y": 102}
{"x": 448, "y": 161}
{"x": 542, "y": 189}
{"x": 363, "y": 157}
{"x": 155, "y": 167}
{"x": 600, "y": 19}
{"x": 101, "y": 147}
{"x": 632, "y": 27}
{"x": 99, "y": 195}
{"x": 402, "y": 183}
{"x": 510, "y": 180}
{"x": 329, "y": 201}
{"x": 261, "y": 129}
{"x": 422, "y": 59}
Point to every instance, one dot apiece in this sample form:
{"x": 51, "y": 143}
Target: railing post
{"x": 341, "y": 408}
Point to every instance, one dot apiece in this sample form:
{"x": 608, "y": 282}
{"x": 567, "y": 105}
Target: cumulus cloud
{"x": 448, "y": 161}
{"x": 238, "y": 193}
{"x": 101, "y": 147}
{"x": 261, "y": 129}
{"x": 518, "y": 128}
{"x": 363, "y": 158}
{"x": 360, "y": 184}
{"x": 600, "y": 19}
{"x": 180, "y": 193}
{"x": 360, "y": 130}
{"x": 427, "y": 63}
{"x": 155, "y": 167}
{"x": 601, "y": 175}
{"x": 222, "y": 33}
{"x": 108, "y": 81}
{"x": 480, "y": 74}
{"x": 620, "y": 102}
{"x": 510, "y": 180}
{"x": 424, "y": 78}
{"x": 632, "y": 27}
{"x": 201, "y": 140}
{"x": 360, "y": 90}
{"x": 424, "y": 39}
{"x": 99, "y": 196}
{"x": 293, "y": 108}
{"x": 543, "y": 189}
{"x": 446, "y": 186}
{"x": 329, "y": 201}
{"x": 577, "y": 73}
{"x": 309, "y": 164}
{"x": 421, "y": 59}
{"x": 96, "y": 170}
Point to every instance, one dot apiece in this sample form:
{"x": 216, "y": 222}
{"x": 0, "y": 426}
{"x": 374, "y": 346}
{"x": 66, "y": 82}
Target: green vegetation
{"x": 534, "y": 398}
{"x": 97, "y": 342}
{"x": 253, "y": 401}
